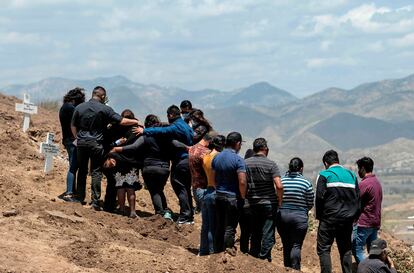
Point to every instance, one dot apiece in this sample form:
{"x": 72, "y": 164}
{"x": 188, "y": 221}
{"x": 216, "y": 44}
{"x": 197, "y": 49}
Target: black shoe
{"x": 96, "y": 207}
{"x": 70, "y": 198}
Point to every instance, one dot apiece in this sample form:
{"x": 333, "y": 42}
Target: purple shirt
{"x": 371, "y": 199}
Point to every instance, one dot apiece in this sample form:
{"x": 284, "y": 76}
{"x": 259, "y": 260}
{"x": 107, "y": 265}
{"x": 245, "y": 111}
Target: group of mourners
{"x": 228, "y": 190}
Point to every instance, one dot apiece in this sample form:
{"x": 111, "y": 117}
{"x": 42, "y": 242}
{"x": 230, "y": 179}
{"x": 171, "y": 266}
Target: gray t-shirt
{"x": 260, "y": 185}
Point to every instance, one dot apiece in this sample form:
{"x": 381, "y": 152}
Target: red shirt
{"x": 198, "y": 176}
{"x": 371, "y": 200}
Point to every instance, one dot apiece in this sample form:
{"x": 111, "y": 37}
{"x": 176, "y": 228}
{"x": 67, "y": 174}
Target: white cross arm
{"x": 27, "y": 108}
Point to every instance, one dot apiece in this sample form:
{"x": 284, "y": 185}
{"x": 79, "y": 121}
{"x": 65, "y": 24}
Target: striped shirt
{"x": 260, "y": 185}
{"x": 297, "y": 192}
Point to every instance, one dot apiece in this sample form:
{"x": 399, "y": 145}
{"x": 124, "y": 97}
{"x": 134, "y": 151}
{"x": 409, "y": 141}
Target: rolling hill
{"x": 378, "y": 112}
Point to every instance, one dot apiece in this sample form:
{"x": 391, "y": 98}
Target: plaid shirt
{"x": 196, "y": 155}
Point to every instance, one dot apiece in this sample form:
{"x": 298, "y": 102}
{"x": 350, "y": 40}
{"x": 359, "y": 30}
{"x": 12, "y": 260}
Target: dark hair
{"x": 367, "y": 163}
{"x": 233, "y": 138}
{"x": 186, "y": 104}
{"x": 174, "y": 111}
{"x": 98, "y": 89}
{"x": 77, "y": 94}
{"x": 249, "y": 153}
{"x": 330, "y": 157}
{"x": 127, "y": 113}
{"x": 209, "y": 135}
{"x": 218, "y": 142}
{"x": 295, "y": 165}
{"x": 198, "y": 116}
{"x": 151, "y": 121}
{"x": 259, "y": 144}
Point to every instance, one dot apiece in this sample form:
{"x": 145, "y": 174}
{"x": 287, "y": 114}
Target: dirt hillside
{"x": 45, "y": 234}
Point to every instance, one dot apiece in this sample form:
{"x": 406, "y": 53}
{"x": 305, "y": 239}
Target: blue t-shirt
{"x": 227, "y": 165}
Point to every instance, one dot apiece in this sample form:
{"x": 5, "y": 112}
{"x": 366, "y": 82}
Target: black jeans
{"x": 292, "y": 226}
{"x": 227, "y": 217}
{"x": 155, "y": 178}
{"x": 342, "y": 232}
{"x": 263, "y": 230}
{"x": 246, "y": 226}
{"x": 181, "y": 183}
{"x": 95, "y": 152}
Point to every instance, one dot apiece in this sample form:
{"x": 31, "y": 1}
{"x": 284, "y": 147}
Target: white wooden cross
{"x": 28, "y": 108}
{"x": 49, "y": 149}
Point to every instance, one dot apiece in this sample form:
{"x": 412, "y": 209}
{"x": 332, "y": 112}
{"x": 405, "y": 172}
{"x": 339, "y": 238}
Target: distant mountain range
{"x": 368, "y": 115}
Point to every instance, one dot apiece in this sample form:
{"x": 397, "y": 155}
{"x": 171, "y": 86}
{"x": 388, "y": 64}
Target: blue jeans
{"x": 208, "y": 207}
{"x": 73, "y": 167}
{"x": 199, "y": 196}
{"x": 263, "y": 230}
{"x": 361, "y": 237}
{"x": 227, "y": 218}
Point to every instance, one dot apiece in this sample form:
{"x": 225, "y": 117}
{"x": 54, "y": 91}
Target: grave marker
{"x": 28, "y": 108}
{"x": 49, "y": 149}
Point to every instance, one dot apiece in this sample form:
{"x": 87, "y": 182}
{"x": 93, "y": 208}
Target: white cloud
{"x": 376, "y": 46}
{"x": 405, "y": 41}
{"x": 128, "y": 34}
{"x": 327, "y": 62}
{"x": 325, "y": 45}
{"x": 254, "y": 29}
{"x": 14, "y": 37}
{"x": 367, "y": 18}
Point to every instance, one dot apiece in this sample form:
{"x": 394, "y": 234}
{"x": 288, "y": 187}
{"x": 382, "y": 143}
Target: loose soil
{"x": 46, "y": 234}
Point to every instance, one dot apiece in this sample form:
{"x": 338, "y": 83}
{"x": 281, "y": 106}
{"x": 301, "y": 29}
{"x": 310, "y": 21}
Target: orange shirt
{"x": 208, "y": 169}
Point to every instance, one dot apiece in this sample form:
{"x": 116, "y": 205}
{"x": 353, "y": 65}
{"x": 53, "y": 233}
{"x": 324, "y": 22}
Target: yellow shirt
{"x": 208, "y": 169}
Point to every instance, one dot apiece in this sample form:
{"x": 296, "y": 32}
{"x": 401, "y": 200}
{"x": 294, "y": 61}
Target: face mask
{"x": 185, "y": 115}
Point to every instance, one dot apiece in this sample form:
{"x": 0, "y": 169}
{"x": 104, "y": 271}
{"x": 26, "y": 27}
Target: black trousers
{"x": 327, "y": 233}
{"x": 227, "y": 218}
{"x": 246, "y": 227}
{"x": 181, "y": 183}
{"x": 95, "y": 152}
{"x": 155, "y": 178}
{"x": 292, "y": 226}
{"x": 111, "y": 192}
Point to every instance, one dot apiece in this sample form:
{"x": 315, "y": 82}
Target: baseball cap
{"x": 377, "y": 246}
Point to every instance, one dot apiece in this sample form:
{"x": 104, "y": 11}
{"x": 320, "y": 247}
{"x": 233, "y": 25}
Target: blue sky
{"x": 302, "y": 46}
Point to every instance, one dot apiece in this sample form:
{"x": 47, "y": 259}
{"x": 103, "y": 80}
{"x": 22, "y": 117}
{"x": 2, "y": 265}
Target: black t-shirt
{"x": 91, "y": 119}
{"x": 65, "y": 117}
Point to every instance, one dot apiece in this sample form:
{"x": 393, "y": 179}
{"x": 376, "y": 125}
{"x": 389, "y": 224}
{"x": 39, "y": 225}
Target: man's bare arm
{"x": 242, "y": 184}
{"x": 128, "y": 122}
{"x": 74, "y": 131}
{"x": 279, "y": 189}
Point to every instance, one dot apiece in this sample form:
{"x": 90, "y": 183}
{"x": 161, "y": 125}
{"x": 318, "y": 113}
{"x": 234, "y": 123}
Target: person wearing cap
{"x": 230, "y": 192}
{"x": 369, "y": 222}
{"x": 265, "y": 192}
{"x": 208, "y": 210}
{"x": 378, "y": 260}
{"x": 336, "y": 208}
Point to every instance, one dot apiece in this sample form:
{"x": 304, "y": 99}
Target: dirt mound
{"x": 49, "y": 235}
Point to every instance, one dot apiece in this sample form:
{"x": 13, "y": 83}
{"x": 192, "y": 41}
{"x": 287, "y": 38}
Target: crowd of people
{"x": 228, "y": 190}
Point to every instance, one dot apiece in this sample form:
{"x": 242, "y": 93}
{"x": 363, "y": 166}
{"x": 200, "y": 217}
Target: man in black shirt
{"x": 89, "y": 121}
{"x": 72, "y": 99}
